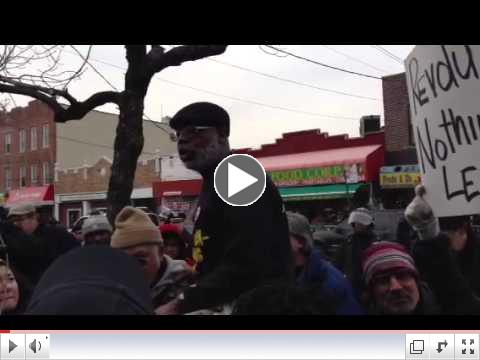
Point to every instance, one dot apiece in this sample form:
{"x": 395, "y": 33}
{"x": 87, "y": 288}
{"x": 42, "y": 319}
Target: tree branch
{"x": 78, "y": 110}
{"x": 75, "y": 111}
{"x": 157, "y": 60}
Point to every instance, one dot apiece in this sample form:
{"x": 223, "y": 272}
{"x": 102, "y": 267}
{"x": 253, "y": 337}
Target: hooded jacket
{"x": 175, "y": 276}
{"x": 92, "y": 281}
{"x": 331, "y": 281}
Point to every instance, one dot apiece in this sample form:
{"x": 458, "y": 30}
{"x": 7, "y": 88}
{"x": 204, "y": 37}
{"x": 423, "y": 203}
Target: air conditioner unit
{"x": 369, "y": 124}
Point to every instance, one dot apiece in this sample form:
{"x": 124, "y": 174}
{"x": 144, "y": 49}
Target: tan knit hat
{"x": 133, "y": 227}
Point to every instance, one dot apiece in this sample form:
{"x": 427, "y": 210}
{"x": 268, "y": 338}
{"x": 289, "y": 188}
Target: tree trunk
{"x": 127, "y": 149}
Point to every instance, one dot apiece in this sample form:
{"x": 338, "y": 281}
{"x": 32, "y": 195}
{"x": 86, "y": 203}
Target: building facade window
{"x": 33, "y": 139}
{"x": 45, "y": 136}
{"x": 22, "y": 134}
{"x": 8, "y": 178}
{"x": 8, "y": 143}
{"x": 23, "y": 176}
{"x": 46, "y": 173}
{"x": 34, "y": 174}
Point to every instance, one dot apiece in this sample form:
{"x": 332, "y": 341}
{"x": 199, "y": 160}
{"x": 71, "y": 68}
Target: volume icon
{"x": 35, "y": 346}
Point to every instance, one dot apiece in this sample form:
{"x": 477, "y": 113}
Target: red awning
{"x": 38, "y": 196}
{"x": 343, "y": 156}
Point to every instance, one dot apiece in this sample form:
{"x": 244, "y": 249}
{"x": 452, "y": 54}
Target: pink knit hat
{"x": 385, "y": 256}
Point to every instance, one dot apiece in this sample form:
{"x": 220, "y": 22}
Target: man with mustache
{"x": 393, "y": 283}
{"x": 235, "y": 248}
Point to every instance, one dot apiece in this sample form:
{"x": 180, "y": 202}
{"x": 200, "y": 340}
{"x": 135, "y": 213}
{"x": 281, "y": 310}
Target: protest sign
{"x": 444, "y": 94}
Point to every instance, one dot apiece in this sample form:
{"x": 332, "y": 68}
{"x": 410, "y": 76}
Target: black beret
{"x": 201, "y": 114}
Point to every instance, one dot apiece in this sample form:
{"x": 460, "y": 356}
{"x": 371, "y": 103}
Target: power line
{"x": 98, "y": 145}
{"x": 354, "y": 59}
{"x": 94, "y": 69}
{"x": 113, "y": 86}
{"x": 387, "y": 53}
{"x": 295, "y": 82}
{"x": 234, "y": 98}
{"x": 257, "y": 103}
{"x": 322, "y": 64}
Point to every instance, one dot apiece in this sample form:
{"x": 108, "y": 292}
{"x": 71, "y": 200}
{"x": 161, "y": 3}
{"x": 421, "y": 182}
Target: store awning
{"x": 38, "y": 196}
{"x": 322, "y": 158}
{"x": 336, "y": 191}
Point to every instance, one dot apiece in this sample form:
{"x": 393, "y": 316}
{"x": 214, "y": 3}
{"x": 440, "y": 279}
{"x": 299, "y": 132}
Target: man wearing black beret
{"x": 235, "y": 248}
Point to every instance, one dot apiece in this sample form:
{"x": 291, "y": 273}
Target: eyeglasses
{"x": 192, "y": 130}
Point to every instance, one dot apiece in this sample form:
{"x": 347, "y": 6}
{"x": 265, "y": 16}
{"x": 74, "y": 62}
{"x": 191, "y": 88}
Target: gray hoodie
{"x": 176, "y": 277}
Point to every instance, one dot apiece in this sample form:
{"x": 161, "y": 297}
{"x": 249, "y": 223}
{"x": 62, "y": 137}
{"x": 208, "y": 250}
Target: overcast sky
{"x": 254, "y": 124}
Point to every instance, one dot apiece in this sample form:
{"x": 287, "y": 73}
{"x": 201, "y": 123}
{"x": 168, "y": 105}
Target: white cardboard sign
{"x": 444, "y": 92}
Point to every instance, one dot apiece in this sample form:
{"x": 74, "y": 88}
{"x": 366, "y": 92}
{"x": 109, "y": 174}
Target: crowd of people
{"x": 259, "y": 259}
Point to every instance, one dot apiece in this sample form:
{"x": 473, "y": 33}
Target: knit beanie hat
{"x": 360, "y": 216}
{"x": 298, "y": 225}
{"x": 96, "y": 223}
{"x": 385, "y": 256}
{"x": 133, "y": 227}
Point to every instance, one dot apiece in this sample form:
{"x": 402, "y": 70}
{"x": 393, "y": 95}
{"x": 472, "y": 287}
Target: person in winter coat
{"x": 92, "y": 280}
{"x": 32, "y": 246}
{"x": 393, "y": 283}
{"x": 235, "y": 248}
{"x": 136, "y": 235}
{"x": 349, "y": 256}
{"x": 312, "y": 269}
{"x": 96, "y": 230}
{"x": 447, "y": 254}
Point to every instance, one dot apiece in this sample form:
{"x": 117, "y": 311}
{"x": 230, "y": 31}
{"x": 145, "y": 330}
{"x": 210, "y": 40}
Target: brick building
{"x": 84, "y": 189}
{"x": 28, "y": 150}
{"x": 400, "y": 175}
{"x": 75, "y": 157}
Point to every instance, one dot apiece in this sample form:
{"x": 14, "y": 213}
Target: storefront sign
{"x": 406, "y": 176}
{"x": 316, "y": 176}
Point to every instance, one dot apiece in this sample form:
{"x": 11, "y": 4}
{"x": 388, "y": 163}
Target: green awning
{"x": 335, "y": 191}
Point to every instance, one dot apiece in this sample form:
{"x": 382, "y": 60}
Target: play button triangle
{"x": 11, "y": 346}
{"x": 238, "y": 180}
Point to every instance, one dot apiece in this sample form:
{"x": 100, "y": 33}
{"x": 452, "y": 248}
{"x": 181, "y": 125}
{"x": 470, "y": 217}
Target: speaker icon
{"x": 35, "y": 346}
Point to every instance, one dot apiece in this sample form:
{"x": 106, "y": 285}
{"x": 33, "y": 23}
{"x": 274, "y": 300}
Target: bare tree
{"x": 50, "y": 85}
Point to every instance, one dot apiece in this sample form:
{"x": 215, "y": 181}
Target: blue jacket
{"x": 332, "y": 282}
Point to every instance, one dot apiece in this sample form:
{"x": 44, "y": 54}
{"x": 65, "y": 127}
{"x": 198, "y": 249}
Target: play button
{"x": 11, "y": 346}
{"x": 239, "y": 180}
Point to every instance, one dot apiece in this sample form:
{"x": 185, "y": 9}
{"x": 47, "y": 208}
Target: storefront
{"x": 176, "y": 195}
{"x": 398, "y": 184}
{"x": 338, "y": 179}
{"x": 70, "y": 207}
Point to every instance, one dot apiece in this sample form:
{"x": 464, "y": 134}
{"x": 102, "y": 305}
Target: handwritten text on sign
{"x": 444, "y": 94}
